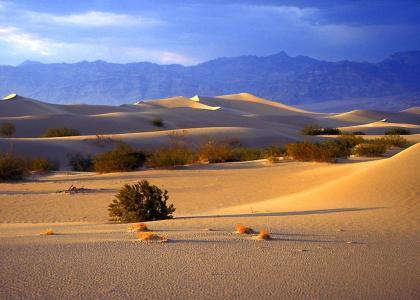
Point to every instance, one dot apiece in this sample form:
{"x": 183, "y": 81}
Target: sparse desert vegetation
{"x": 137, "y": 227}
{"x": 48, "y": 232}
{"x": 241, "y": 229}
{"x": 60, "y": 132}
{"x": 12, "y": 168}
{"x": 122, "y": 158}
{"x": 140, "y": 202}
{"x": 151, "y": 237}
{"x": 398, "y": 131}
{"x": 317, "y": 130}
{"x": 158, "y": 122}
{"x": 80, "y": 162}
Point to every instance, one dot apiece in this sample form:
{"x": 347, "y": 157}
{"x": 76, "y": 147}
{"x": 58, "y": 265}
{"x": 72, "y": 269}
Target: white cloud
{"x": 94, "y": 19}
{"x": 25, "y": 41}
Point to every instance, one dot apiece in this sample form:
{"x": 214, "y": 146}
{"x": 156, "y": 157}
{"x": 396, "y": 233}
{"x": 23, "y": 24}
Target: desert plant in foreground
{"x": 306, "y": 151}
{"x": 241, "y": 229}
{"x": 172, "y": 156}
{"x": 392, "y": 141}
{"x": 151, "y": 237}
{"x": 140, "y": 202}
{"x": 13, "y": 168}
{"x": 122, "y": 158}
{"x": 48, "y": 232}
{"x": 58, "y": 132}
{"x": 263, "y": 235}
{"x": 137, "y": 227}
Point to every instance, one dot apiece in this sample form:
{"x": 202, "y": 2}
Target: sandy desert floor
{"x": 349, "y": 230}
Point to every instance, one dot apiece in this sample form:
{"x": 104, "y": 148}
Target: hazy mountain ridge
{"x": 393, "y": 83}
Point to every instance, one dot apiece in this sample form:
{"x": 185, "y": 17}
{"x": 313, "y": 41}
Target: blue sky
{"x": 189, "y": 32}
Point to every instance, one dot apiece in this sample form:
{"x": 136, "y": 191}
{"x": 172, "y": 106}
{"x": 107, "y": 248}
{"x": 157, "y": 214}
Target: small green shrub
{"x": 350, "y": 140}
{"x": 158, "y": 122}
{"x": 246, "y": 154}
{"x": 42, "y": 164}
{"x": 369, "y": 149}
{"x": 122, "y": 158}
{"x": 392, "y": 141}
{"x": 306, "y": 151}
{"x": 12, "y": 168}
{"x": 172, "y": 156}
{"x": 7, "y": 129}
{"x": 398, "y": 131}
{"x": 272, "y": 153}
{"x": 59, "y": 132}
{"x": 81, "y": 163}
{"x": 140, "y": 202}
{"x": 214, "y": 151}
{"x": 316, "y": 130}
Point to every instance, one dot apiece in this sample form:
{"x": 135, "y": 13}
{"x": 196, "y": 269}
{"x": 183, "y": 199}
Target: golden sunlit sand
{"x": 344, "y": 230}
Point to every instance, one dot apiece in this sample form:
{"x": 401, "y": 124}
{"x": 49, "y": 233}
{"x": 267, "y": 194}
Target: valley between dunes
{"x": 348, "y": 230}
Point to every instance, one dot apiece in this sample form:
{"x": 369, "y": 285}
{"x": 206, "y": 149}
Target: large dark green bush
{"x": 140, "y": 202}
{"x": 398, "y": 131}
{"x": 80, "y": 162}
{"x": 12, "y": 168}
{"x": 122, "y": 158}
{"x": 58, "y": 132}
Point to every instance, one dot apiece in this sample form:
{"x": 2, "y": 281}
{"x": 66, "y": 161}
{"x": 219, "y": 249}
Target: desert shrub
{"x": 398, "y": 131}
{"x": 272, "y": 153}
{"x": 12, "y": 168}
{"x": 62, "y": 131}
{"x": 358, "y": 133}
{"x": 306, "y": 151}
{"x": 316, "y": 130}
{"x": 172, "y": 156}
{"x": 80, "y": 162}
{"x": 42, "y": 164}
{"x": 350, "y": 140}
{"x": 7, "y": 129}
{"x": 245, "y": 154}
{"x": 392, "y": 141}
{"x": 158, "y": 122}
{"x": 122, "y": 158}
{"x": 214, "y": 151}
{"x": 140, "y": 202}
{"x": 369, "y": 149}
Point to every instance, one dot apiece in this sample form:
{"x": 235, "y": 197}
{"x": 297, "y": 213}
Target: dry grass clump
{"x": 49, "y": 231}
{"x": 137, "y": 227}
{"x": 263, "y": 235}
{"x": 151, "y": 237}
{"x": 241, "y": 229}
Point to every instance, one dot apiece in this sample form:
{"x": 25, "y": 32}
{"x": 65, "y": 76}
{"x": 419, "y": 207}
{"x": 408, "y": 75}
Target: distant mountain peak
{"x": 30, "y": 62}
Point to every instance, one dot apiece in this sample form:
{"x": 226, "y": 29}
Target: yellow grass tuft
{"x": 263, "y": 235}
{"x": 137, "y": 227}
{"x": 241, "y": 229}
{"x": 151, "y": 237}
{"x": 48, "y": 232}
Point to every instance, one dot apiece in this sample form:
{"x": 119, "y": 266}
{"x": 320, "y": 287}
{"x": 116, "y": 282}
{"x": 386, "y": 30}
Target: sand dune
{"x": 342, "y": 229}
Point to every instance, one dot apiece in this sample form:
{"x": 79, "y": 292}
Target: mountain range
{"x": 391, "y": 84}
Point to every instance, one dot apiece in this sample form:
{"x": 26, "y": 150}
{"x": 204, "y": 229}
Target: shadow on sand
{"x": 283, "y": 214}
